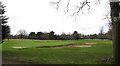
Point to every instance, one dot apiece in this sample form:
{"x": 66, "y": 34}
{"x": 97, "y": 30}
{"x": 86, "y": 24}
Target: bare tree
{"x": 101, "y": 34}
{"x": 22, "y": 33}
{"x": 102, "y": 30}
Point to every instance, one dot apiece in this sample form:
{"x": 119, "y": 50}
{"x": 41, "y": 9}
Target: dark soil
{"x": 59, "y": 46}
{"x": 82, "y": 45}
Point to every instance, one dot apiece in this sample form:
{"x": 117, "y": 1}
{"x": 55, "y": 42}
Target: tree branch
{"x": 79, "y": 8}
{"x": 66, "y": 9}
{"x": 56, "y": 3}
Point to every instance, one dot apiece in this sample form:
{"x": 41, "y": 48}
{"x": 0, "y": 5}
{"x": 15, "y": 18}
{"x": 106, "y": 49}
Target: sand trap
{"x": 19, "y": 47}
{"x": 89, "y": 43}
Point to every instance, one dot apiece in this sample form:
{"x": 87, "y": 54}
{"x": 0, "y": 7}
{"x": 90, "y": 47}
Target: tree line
{"x": 22, "y": 34}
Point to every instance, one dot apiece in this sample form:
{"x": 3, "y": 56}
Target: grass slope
{"x": 67, "y": 55}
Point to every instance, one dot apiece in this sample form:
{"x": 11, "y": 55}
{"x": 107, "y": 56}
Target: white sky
{"x": 38, "y": 15}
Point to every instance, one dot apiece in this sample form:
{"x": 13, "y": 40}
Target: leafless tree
{"x": 22, "y": 33}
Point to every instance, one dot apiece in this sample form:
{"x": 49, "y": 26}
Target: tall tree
{"x": 76, "y": 35}
{"x": 51, "y": 35}
{"x": 3, "y": 20}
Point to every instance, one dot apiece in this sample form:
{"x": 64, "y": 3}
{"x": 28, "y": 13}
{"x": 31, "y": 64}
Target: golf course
{"x": 83, "y": 51}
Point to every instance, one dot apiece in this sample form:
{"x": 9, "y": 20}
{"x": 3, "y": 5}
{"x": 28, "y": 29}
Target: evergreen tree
{"x": 76, "y": 35}
{"x": 3, "y": 19}
{"x": 51, "y": 35}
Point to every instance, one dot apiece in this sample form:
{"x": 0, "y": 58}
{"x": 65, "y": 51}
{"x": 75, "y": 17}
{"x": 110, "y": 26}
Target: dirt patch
{"x": 57, "y": 46}
{"x": 67, "y": 45}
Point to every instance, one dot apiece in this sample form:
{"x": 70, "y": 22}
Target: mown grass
{"x": 66, "y": 55}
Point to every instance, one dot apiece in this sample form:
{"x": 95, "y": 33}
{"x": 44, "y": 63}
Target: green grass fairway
{"x": 65, "y": 55}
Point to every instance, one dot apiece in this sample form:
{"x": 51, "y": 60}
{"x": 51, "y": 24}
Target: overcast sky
{"x": 39, "y": 15}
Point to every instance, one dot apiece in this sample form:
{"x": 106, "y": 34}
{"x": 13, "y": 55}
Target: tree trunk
{"x": 115, "y": 31}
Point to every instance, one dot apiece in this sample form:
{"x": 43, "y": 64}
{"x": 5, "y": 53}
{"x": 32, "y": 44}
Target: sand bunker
{"x": 18, "y": 47}
{"x": 84, "y": 46}
{"x": 89, "y": 43}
